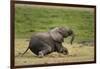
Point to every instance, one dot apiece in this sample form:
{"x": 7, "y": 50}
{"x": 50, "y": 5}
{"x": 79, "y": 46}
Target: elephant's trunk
{"x": 73, "y": 36}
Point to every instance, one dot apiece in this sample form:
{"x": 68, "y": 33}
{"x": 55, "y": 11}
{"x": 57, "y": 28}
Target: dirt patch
{"x": 87, "y": 42}
{"x": 76, "y": 54}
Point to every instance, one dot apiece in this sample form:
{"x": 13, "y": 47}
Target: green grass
{"x": 34, "y": 19}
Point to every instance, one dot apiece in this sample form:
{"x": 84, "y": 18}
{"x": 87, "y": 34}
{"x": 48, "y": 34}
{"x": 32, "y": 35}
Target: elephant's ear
{"x": 56, "y": 36}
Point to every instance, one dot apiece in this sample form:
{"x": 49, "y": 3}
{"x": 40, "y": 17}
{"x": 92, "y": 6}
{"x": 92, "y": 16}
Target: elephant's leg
{"x": 61, "y": 49}
{"x": 46, "y": 50}
{"x": 58, "y": 47}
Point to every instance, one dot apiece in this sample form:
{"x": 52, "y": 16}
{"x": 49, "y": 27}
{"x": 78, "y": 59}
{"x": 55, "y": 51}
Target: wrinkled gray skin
{"x": 44, "y": 43}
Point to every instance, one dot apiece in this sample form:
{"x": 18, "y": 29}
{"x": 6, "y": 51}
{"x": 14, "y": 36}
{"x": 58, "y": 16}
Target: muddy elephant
{"x": 44, "y": 43}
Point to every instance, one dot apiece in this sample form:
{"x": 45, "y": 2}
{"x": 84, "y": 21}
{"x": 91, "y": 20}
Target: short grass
{"x": 31, "y": 19}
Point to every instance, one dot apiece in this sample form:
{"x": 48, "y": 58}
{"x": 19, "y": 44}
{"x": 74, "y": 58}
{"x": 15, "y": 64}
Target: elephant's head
{"x": 59, "y": 33}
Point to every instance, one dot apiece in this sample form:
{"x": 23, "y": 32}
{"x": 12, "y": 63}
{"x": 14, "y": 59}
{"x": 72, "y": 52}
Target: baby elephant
{"x": 44, "y": 43}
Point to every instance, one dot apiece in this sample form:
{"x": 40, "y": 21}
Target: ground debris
{"x": 87, "y": 42}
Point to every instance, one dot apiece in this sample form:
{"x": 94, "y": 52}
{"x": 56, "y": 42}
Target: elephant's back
{"x": 46, "y": 38}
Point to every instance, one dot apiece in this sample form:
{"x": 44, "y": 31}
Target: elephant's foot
{"x": 65, "y": 52}
{"x": 40, "y": 55}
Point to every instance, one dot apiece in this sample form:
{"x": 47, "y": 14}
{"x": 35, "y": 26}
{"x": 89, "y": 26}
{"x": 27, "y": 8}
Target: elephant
{"x": 43, "y": 43}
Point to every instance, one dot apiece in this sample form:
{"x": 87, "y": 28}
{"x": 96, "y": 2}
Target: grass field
{"x": 31, "y": 19}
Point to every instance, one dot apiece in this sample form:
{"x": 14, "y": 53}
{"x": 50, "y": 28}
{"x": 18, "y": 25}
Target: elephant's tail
{"x": 25, "y": 51}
